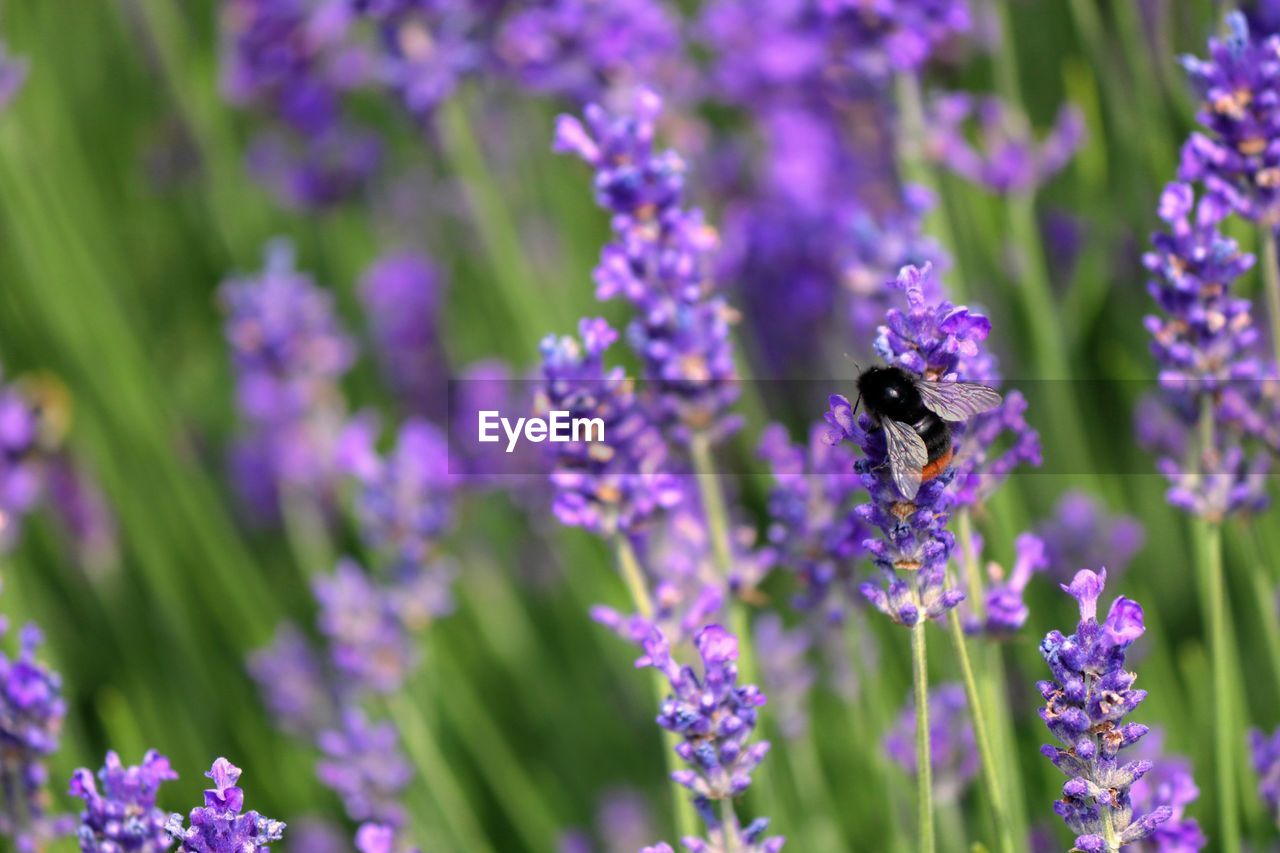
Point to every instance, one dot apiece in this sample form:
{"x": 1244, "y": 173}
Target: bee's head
{"x": 885, "y": 389}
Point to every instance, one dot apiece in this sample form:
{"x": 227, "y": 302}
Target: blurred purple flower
{"x": 1006, "y": 612}
{"x": 581, "y": 48}
{"x": 293, "y": 683}
{"x": 1085, "y": 705}
{"x": 369, "y": 643}
{"x": 362, "y": 762}
{"x": 1205, "y": 343}
{"x": 952, "y": 749}
{"x": 317, "y": 835}
{"x": 85, "y": 515}
{"x": 22, "y": 461}
{"x": 401, "y": 293}
{"x": 1238, "y": 160}
{"x": 619, "y": 483}
{"x": 1168, "y": 783}
{"x": 318, "y": 172}
{"x": 123, "y": 816}
{"x": 221, "y": 825}
{"x": 379, "y": 838}
{"x": 623, "y": 824}
{"x": 1083, "y": 532}
{"x": 31, "y": 713}
{"x": 289, "y": 353}
{"x": 783, "y": 658}
{"x": 1266, "y": 763}
{"x": 13, "y": 73}
{"x": 812, "y": 527}
{"x": 661, "y": 261}
{"x": 1006, "y": 158}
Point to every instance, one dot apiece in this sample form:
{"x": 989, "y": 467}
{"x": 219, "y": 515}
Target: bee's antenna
{"x": 856, "y": 403}
{"x": 855, "y": 363}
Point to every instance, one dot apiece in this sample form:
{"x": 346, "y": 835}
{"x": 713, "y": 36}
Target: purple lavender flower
{"x": 952, "y": 749}
{"x": 1237, "y": 160}
{"x": 317, "y": 835}
{"x": 31, "y": 712}
{"x": 123, "y": 816}
{"x": 1085, "y": 705}
{"x": 1006, "y": 612}
{"x": 401, "y": 293}
{"x": 363, "y": 764}
{"x": 369, "y": 644}
{"x": 319, "y": 172}
{"x": 13, "y": 73}
{"x": 289, "y": 353}
{"x": 1266, "y": 761}
{"x": 1206, "y": 345}
{"x": 22, "y": 477}
{"x": 1083, "y": 532}
{"x": 661, "y": 262}
{"x": 1168, "y": 783}
{"x": 604, "y": 486}
{"x": 85, "y": 516}
{"x": 812, "y": 527}
{"x": 623, "y": 824}
{"x": 404, "y": 501}
{"x": 579, "y": 49}
{"x": 379, "y": 838}
{"x": 1007, "y": 160}
{"x": 221, "y": 825}
{"x": 750, "y": 839}
{"x": 293, "y": 683}
{"x": 712, "y": 713}
{"x": 783, "y": 656}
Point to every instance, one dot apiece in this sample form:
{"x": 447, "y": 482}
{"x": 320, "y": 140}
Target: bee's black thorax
{"x": 890, "y": 392}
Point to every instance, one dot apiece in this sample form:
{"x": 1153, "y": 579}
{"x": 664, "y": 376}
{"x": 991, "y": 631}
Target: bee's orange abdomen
{"x": 936, "y": 467}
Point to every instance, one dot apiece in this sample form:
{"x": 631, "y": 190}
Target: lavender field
{"x": 639, "y": 426}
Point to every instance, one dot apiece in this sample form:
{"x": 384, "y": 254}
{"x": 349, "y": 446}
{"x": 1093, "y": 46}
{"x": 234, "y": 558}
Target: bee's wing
{"x": 957, "y": 401}
{"x": 907, "y": 456}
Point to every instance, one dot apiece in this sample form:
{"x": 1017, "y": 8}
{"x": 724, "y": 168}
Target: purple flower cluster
{"x": 289, "y": 353}
{"x": 623, "y": 824}
{"x": 22, "y": 461}
{"x": 123, "y": 816}
{"x": 953, "y": 752}
{"x": 1238, "y": 160}
{"x": 748, "y": 839}
{"x": 1006, "y": 612}
{"x": 1083, "y": 532}
{"x": 603, "y": 486}
{"x": 782, "y": 656}
{"x": 379, "y": 838}
{"x": 1085, "y": 706}
{"x": 713, "y": 714}
{"x": 368, "y": 643}
{"x": 401, "y": 295}
{"x": 1205, "y": 342}
{"x": 580, "y": 49}
{"x": 812, "y": 527}
{"x": 362, "y": 763}
{"x": 1006, "y": 159}
{"x": 31, "y": 712}
{"x": 13, "y": 73}
{"x": 221, "y": 825}
{"x": 1168, "y": 783}
{"x": 1266, "y": 763}
{"x": 660, "y": 261}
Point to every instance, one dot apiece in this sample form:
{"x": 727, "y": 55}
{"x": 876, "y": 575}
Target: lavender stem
{"x": 633, "y": 577}
{"x": 990, "y": 776}
{"x": 729, "y": 826}
{"x": 924, "y": 769}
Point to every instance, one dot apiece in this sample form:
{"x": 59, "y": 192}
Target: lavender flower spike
{"x": 31, "y": 712}
{"x": 713, "y": 714}
{"x": 221, "y": 825}
{"x": 749, "y": 840}
{"x": 1085, "y": 705}
{"x": 952, "y": 748}
{"x": 123, "y": 816}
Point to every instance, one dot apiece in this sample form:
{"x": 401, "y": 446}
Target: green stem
{"x": 633, "y": 577}
{"x": 924, "y": 769}
{"x": 915, "y": 167}
{"x": 1271, "y": 284}
{"x": 1264, "y": 595}
{"x": 435, "y": 771}
{"x": 717, "y": 514}
{"x": 1209, "y": 534}
{"x": 990, "y": 774}
{"x": 1109, "y": 832}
